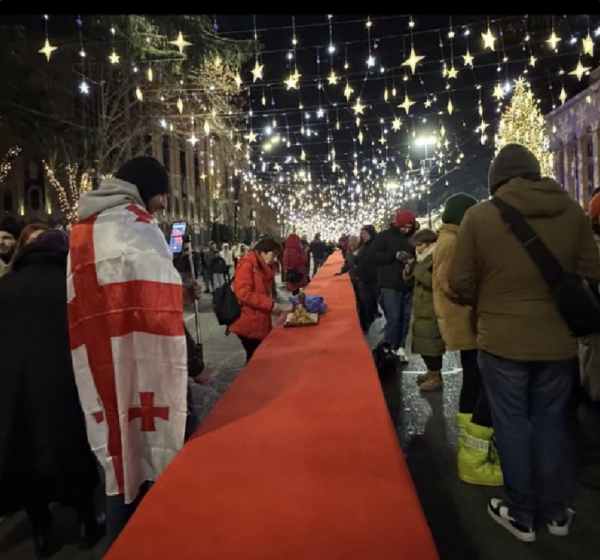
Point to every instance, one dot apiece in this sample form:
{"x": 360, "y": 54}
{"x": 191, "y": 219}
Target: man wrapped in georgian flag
{"x": 125, "y": 304}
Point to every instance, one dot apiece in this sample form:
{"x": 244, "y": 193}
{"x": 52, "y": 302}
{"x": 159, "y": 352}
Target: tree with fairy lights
{"x": 522, "y": 123}
{"x": 113, "y": 88}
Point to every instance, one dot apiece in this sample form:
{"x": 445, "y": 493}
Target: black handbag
{"x": 574, "y": 298}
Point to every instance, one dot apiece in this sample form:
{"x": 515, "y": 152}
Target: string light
{"x": 6, "y": 165}
{"x": 77, "y": 185}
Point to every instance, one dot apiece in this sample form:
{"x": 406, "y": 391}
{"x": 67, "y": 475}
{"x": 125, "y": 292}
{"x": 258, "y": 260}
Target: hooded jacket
{"x": 517, "y": 316}
{"x": 112, "y": 193}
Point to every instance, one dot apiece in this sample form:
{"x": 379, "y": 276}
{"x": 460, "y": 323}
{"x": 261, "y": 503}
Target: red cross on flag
{"x": 128, "y": 344}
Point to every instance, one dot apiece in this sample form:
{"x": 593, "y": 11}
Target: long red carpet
{"x": 298, "y": 461}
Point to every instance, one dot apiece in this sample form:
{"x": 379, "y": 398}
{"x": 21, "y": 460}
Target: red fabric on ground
{"x": 298, "y": 461}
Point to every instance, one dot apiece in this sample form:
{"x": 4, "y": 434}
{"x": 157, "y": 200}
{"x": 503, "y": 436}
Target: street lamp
{"x": 425, "y": 142}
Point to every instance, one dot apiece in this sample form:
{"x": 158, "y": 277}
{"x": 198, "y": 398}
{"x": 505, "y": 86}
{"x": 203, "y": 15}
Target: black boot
{"x": 42, "y": 524}
{"x": 91, "y": 528}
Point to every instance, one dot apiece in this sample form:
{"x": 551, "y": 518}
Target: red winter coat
{"x": 295, "y": 257}
{"x": 252, "y": 286}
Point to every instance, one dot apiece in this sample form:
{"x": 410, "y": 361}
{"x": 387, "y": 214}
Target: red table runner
{"x": 299, "y": 460}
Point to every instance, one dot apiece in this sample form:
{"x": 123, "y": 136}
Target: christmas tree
{"x": 522, "y": 123}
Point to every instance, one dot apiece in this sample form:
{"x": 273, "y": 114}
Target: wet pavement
{"x": 427, "y": 433}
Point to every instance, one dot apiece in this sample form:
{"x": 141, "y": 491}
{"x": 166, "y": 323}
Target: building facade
{"x": 208, "y": 190}
{"x": 574, "y": 133}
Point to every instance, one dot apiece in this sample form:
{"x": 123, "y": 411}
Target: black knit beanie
{"x": 455, "y": 208}
{"x": 512, "y": 161}
{"x": 147, "y": 174}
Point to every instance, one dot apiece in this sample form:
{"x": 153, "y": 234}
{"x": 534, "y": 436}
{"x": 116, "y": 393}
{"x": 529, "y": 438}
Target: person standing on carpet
{"x": 128, "y": 344}
{"x": 252, "y": 286}
{"x": 476, "y": 463}
{"x": 389, "y": 251}
{"x": 366, "y": 273}
{"x": 426, "y": 338}
{"x": 44, "y": 452}
{"x": 526, "y": 351}
{"x": 295, "y": 265}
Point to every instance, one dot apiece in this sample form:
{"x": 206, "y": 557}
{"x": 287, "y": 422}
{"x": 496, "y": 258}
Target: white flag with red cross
{"x": 128, "y": 344}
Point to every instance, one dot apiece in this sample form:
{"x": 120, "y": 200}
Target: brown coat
{"x": 455, "y": 321}
{"x": 589, "y": 358}
{"x": 517, "y": 317}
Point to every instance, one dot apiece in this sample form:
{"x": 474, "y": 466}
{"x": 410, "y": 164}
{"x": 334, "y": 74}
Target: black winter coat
{"x": 383, "y": 253}
{"x": 44, "y": 451}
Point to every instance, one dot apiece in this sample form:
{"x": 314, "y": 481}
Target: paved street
{"x": 427, "y": 433}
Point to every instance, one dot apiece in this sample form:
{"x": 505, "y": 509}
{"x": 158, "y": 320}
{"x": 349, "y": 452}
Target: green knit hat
{"x": 456, "y": 207}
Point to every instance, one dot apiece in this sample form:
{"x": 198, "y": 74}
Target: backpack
{"x": 225, "y": 305}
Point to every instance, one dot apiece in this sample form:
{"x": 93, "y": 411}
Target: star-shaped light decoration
{"x": 579, "y": 71}
{"x": 292, "y": 81}
{"x": 84, "y": 87}
{"x": 257, "y": 72}
{"x": 488, "y": 40}
{"x": 114, "y": 58}
{"x": 180, "y": 43}
{"x": 238, "y": 80}
{"x": 332, "y": 78}
{"x": 483, "y": 125}
{"x": 251, "y": 136}
{"x": 427, "y": 103}
{"x": 382, "y": 140}
{"x": 238, "y": 146}
{"x": 532, "y": 61}
{"x": 348, "y": 91}
{"x": 48, "y": 49}
{"x": 406, "y": 104}
{"x": 413, "y": 60}
{"x": 452, "y": 73}
{"x": 563, "y": 95}
{"x": 498, "y": 92}
{"x": 553, "y": 40}
{"x": 588, "y": 45}
{"x": 396, "y": 124}
{"x": 468, "y": 58}
{"x": 193, "y": 140}
{"x": 358, "y": 108}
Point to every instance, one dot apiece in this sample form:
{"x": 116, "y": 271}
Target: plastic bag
{"x": 314, "y": 304}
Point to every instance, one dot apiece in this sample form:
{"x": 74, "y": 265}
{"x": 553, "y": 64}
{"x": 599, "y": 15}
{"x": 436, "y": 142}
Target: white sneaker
{"x": 401, "y": 353}
{"x": 561, "y": 528}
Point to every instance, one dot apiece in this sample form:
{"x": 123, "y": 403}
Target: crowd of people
{"x": 97, "y": 359}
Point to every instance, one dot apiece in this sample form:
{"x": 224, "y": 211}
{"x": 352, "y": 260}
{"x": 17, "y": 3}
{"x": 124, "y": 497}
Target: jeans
{"x": 528, "y": 401}
{"x": 397, "y": 307}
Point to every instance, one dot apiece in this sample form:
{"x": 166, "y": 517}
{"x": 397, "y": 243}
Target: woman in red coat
{"x": 295, "y": 259}
{"x": 252, "y": 286}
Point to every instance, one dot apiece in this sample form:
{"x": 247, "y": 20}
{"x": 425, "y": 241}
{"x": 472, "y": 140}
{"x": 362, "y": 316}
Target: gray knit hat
{"x": 512, "y": 161}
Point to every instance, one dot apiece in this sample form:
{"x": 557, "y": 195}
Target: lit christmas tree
{"x": 522, "y": 123}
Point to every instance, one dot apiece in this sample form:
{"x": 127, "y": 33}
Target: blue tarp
{"x": 314, "y": 304}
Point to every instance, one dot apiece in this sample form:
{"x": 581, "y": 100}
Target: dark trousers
{"x": 397, "y": 307}
{"x": 368, "y": 295}
{"x": 528, "y": 401}
{"x": 118, "y": 513}
{"x": 433, "y": 363}
{"x": 318, "y": 264}
{"x": 473, "y": 399}
{"x": 250, "y": 345}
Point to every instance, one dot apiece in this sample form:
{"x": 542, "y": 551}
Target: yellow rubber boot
{"x": 462, "y": 419}
{"x": 474, "y": 462}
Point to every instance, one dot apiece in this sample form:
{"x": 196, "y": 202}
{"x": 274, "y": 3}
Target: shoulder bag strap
{"x": 547, "y": 263}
